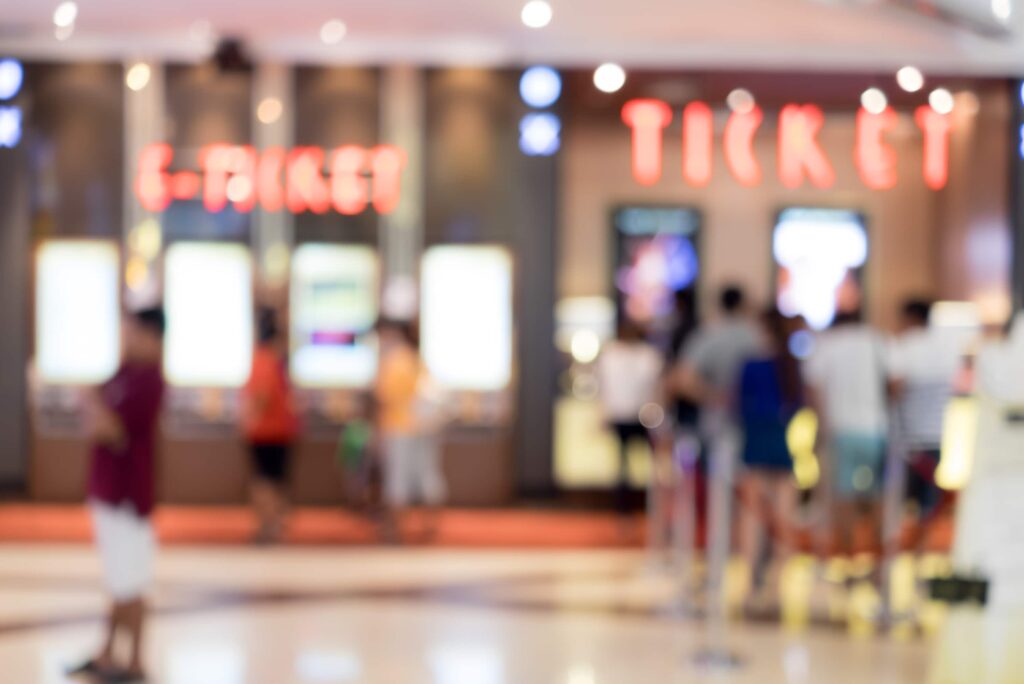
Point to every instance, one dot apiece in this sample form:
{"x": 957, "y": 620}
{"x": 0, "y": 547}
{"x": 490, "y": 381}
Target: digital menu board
{"x": 334, "y": 306}
{"x": 466, "y": 316}
{"x": 77, "y": 311}
{"x": 209, "y": 305}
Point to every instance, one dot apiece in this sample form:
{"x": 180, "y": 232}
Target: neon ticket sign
{"x": 347, "y": 179}
{"x": 801, "y": 158}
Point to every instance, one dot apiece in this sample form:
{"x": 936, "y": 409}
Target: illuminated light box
{"x": 77, "y": 311}
{"x": 466, "y": 316}
{"x": 208, "y": 299}
{"x": 819, "y": 253}
{"x": 334, "y": 303}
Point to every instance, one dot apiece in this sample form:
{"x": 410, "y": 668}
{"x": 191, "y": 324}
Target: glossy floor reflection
{"x": 282, "y": 616}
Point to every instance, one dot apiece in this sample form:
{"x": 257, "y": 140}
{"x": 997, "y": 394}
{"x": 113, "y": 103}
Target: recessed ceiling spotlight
{"x": 65, "y": 14}
{"x": 138, "y": 76}
{"x": 741, "y": 101}
{"x": 333, "y": 32}
{"x": 609, "y": 78}
{"x": 874, "y": 100}
{"x": 941, "y": 101}
{"x": 537, "y": 14}
{"x": 910, "y": 79}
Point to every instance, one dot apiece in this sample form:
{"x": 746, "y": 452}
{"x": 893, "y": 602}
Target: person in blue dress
{"x": 768, "y": 396}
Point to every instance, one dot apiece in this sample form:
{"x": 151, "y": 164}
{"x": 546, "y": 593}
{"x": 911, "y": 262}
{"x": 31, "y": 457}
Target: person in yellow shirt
{"x": 408, "y": 426}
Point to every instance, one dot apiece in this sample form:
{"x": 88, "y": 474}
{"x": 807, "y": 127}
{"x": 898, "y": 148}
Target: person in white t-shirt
{"x": 847, "y": 382}
{"x": 628, "y": 374}
{"x": 923, "y": 363}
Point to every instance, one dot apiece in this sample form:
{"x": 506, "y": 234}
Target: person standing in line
{"x": 847, "y": 383}
{"x": 769, "y": 396}
{"x": 924, "y": 364}
{"x": 408, "y": 425}
{"x": 708, "y": 376}
{"x": 123, "y": 417}
{"x": 712, "y": 361}
{"x": 628, "y": 375}
{"x": 270, "y": 425}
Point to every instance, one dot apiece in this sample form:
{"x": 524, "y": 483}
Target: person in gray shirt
{"x": 712, "y": 360}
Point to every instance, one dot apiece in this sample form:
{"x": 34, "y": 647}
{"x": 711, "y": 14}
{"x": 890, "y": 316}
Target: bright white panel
{"x": 208, "y": 300}
{"x": 334, "y": 303}
{"x": 466, "y": 316}
{"x": 77, "y": 311}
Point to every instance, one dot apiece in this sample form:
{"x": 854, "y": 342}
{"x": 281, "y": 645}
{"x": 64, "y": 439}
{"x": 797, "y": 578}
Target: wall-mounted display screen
{"x": 820, "y": 254}
{"x": 466, "y": 316}
{"x": 334, "y": 304}
{"x": 77, "y": 311}
{"x": 657, "y": 256}
{"x": 208, "y": 300}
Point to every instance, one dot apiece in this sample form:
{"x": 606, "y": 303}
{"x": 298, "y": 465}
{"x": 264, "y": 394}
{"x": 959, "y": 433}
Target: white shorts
{"x": 127, "y": 546}
{"x": 412, "y": 470}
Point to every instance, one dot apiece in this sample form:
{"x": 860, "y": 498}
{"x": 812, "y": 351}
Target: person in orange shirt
{"x": 270, "y": 425}
{"x": 408, "y": 421}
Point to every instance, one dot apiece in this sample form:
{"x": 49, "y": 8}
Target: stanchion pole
{"x": 892, "y": 509}
{"x": 717, "y": 654}
{"x": 684, "y": 516}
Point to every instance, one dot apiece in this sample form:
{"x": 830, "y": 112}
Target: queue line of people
{"x": 742, "y": 377}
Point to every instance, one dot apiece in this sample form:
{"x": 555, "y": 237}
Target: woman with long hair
{"x": 770, "y": 393}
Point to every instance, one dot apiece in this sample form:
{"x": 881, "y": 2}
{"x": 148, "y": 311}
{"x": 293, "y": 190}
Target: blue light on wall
{"x": 540, "y": 87}
{"x": 10, "y": 126}
{"x": 540, "y": 134}
{"x": 11, "y": 77}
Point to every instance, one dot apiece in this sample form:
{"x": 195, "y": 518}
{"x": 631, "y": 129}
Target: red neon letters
{"x": 647, "y": 118}
{"x": 698, "y": 143}
{"x": 799, "y": 151}
{"x": 801, "y": 157}
{"x": 936, "y": 129}
{"x": 876, "y": 161}
{"x": 275, "y": 179}
{"x": 739, "y": 146}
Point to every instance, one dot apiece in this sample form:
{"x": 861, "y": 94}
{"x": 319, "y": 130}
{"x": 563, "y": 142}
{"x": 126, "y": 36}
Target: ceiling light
{"x": 874, "y": 100}
{"x": 65, "y": 14}
{"x": 333, "y": 32}
{"x": 609, "y": 78}
{"x": 269, "y": 110}
{"x": 540, "y": 86}
{"x": 910, "y": 79}
{"x": 1002, "y": 9}
{"x": 537, "y": 14}
{"x": 741, "y": 101}
{"x": 941, "y": 100}
{"x": 137, "y": 77}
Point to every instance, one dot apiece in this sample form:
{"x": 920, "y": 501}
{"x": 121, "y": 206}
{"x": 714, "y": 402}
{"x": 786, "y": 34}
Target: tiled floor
{"x": 282, "y": 616}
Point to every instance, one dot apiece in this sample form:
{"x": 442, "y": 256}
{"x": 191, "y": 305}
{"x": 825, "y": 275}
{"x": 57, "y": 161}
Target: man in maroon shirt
{"x": 123, "y": 417}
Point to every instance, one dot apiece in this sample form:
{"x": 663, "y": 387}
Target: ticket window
{"x": 334, "y": 305}
{"x": 209, "y": 342}
{"x": 77, "y": 346}
{"x": 820, "y": 256}
{"x": 466, "y": 327}
{"x": 466, "y": 341}
{"x": 656, "y": 263}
